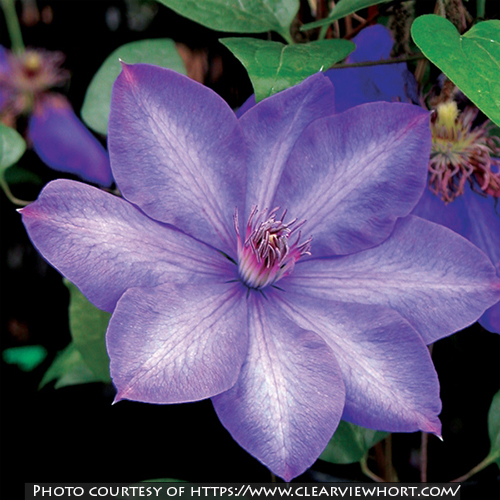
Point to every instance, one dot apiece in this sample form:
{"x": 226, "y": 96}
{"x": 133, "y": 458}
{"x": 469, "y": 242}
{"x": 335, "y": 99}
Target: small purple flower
{"x": 267, "y": 262}
{"x": 60, "y": 139}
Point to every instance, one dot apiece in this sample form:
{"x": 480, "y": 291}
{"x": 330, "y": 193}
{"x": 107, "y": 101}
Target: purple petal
{"x": 289, "y": 398}
{"x": 105, "y": 245}
{"x": 434, "y": 278}
{"x": 63, "y": 142}
{"x": 372, "y": 44}
{"x": 177, "y": 343}
{"x": 389, "y": 378}
{"x": 491, "y": 319}
{"x": 248, "y": 104}
{"x": 4, "y": 68}
{"x": 176, "y": 152}
{"x": 484, "y": 224}
{"x": 392, "y": 82}
{"x": 475, "y": 217}
{"x": 453, "y": 215}
{"x": 272, "y": 127}
{"x": 353, "y": 174}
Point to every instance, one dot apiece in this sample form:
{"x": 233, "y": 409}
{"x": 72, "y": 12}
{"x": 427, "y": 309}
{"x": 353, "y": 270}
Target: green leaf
{"x": 239, "y": 16}
{"x": 88, "y": 328}
{"x": 162, "y": 52}
{"x": 68, "y": 368}
{"x": 471, "y": 61}
{"x": 494, "y": 429}
{"x": 273, "y": 66}
{"x": 342, "y": 9}
{"x": 12, "y": 147}
{"x": 27, "y": 358}
{"x": 350, "y": 443}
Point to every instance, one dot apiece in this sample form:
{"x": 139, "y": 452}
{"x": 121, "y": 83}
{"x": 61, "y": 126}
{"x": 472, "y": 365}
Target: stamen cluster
{"x": 267, "y": 254}
{"x": 27, "y": 76}
{"x": 461, "y": 153}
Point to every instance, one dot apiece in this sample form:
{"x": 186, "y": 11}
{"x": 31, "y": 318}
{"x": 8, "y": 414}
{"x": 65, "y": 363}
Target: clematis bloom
{"x": 267, "y": 262}
{"x": 58, "y": 136}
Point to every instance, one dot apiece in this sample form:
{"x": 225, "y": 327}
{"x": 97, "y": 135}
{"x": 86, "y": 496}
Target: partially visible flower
{"x": 387, "y": 82}
{"x": 288, "y": 319}
{"x": 462, "y": 153}
{"x": 464, "y": 184}
{"x": 61, "y": 140}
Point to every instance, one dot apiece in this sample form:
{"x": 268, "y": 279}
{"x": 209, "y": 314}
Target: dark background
{"x": 74, "y": 434}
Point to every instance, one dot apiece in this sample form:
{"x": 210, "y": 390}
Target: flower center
{"x": 461, "y": 153}
{"x": 267, "y": 252}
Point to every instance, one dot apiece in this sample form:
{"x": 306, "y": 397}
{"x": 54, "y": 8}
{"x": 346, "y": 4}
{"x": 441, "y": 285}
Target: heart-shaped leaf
{"x": 162, "y": 52}
{"x": 471, "y": 61}
{"x": 273, "y": 66}
{"x": 239, "y": 16}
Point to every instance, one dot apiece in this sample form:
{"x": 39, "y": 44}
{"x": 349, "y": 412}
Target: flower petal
{"x": 353, "y": 174}
{"x": 105, "y": 245}
{"x": 389, "y": 378}
{"x": 177, "y": 343}
{"x": 176, "y": 151}
{"x": 289, "y": 397}
{"x": 475, "y": 217}
{"x": 271, "y": 129}
{"x": 483, "y": 229}
{"x": 63, "y": 142}
{"x": 434, "y": 278}
{"x": 454, "y": 215}
{"x": 390, "y": 82}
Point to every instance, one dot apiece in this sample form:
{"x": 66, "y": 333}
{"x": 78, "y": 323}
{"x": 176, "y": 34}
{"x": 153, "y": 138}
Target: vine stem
{"x": 479, "y": 467}
{"x": 480, "y": 9}
{"x": 378, "y": 63}
{"x": 367, "y": 472}
{"x": 13, "y": 26}
{"x": 10, "y": 196}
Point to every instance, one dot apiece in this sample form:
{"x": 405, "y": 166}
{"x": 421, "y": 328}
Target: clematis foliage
{"x": 267, "y": 262}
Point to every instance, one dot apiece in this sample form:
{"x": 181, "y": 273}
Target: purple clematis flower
{"x": 289, "y": 318}
{"x": 60, "y": 139}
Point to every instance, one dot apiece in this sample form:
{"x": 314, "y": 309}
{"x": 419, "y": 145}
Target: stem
{"x": 424, "y": 445}
{"x": 10, "y": 196}
{"x": 480, "y": 9}
{"x": 367, "y": 472}
{"x": 390, "y": 472}
{"x": 479, "y": 467}
{"x": 378, "y": 63}
{"x": 423, "y": 457}
{"x": 13, "y": 27}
